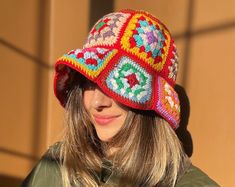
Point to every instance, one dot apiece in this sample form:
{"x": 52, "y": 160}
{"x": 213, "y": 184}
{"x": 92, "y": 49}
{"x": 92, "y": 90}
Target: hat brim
{"x": 101, "y": 65}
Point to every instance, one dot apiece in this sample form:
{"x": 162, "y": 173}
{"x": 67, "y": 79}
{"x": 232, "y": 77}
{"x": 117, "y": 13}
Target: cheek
{"x": 87, "y": 99}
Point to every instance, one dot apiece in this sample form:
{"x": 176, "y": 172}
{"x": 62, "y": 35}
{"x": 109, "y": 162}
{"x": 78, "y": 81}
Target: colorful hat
{"x": 131, "y": 56}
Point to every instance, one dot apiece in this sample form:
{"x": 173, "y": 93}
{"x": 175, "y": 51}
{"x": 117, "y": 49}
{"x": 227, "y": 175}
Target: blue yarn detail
{"x": 139, "y": 40}
{"x": 161, "y": 35}
{"x": 153, "y": 27}
{"x": 143, "y": 23}
{"x": 140, "y": 30}
{"x": 156, "y": 52}
{"x": 147, "y": 48}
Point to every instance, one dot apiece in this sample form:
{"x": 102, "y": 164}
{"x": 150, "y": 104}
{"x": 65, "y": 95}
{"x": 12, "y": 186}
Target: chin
{"x": 104, "y": 138}
{"x": 105, "y": 134}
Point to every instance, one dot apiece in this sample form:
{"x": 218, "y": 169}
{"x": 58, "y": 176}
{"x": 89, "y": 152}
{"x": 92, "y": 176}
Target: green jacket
{"x": 47, "y": 174}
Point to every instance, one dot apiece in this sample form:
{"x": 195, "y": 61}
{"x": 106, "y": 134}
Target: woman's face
{"x": 107, "y": 115}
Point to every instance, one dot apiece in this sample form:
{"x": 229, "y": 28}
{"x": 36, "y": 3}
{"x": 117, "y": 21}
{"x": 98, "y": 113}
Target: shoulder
{"x": 195, "y": 177}
{"x": 47, "y": 170}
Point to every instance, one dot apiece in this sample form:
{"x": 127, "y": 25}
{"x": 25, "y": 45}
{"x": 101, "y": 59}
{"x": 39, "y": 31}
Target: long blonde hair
{"x": 149, "y": 152}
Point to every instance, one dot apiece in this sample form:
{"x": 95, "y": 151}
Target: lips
{"x": 104, "y": 119}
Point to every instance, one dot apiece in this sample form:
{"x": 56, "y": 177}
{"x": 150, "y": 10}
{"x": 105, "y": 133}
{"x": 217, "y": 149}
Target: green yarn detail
{"x": 138, "y": 91}
{"x": 119, "y": 83}
{"x": 99, "y": 25}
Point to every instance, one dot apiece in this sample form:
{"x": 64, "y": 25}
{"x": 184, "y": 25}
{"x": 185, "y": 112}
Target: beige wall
{"x": 34, "y": 33}
{"x": 24, "y": 81}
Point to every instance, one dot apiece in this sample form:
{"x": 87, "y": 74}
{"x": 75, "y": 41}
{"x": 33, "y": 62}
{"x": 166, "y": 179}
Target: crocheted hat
{"x": 131, "y": 56}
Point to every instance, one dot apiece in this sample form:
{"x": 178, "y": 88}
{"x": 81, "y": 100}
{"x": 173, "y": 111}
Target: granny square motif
{"x": 147, "y": 39}
{"x": 130, "y": 80}
{"x": 106, "y": 31}
{"x": 168, "y": 104}
{"x": 89, "y": 61}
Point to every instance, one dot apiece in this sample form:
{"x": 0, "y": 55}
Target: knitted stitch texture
{"x": 132, "y": 57}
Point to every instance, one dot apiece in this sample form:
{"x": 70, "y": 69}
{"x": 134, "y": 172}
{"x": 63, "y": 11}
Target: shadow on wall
{"x": 98, "y": 10}
{"x": 9, "y": 181}
{"x": 182, "y": 132}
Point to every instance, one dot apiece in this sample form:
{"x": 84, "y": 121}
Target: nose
{"x": 100, "y": 100}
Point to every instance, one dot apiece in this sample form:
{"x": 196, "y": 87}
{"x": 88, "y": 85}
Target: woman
{"x": 121, "y": 110}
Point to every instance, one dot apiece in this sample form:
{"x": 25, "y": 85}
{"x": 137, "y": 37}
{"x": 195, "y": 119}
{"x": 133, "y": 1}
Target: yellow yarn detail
{"x": 128, "y": 33}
